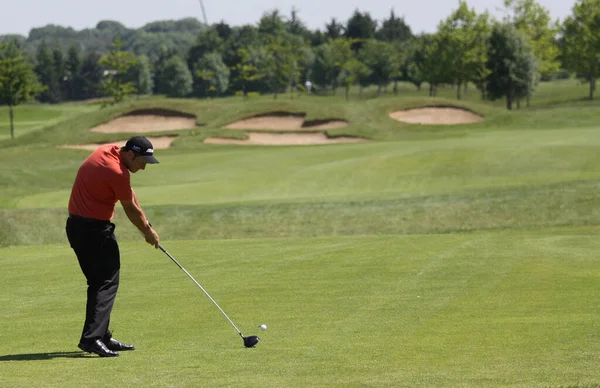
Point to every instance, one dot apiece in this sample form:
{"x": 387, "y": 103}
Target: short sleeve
{"x": 122, "y": 188}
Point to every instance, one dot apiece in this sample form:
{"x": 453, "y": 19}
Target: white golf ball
{"x": 263, "y": 327}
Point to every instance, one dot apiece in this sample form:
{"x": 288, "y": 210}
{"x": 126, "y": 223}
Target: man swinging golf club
{"x": 102, "y": 180}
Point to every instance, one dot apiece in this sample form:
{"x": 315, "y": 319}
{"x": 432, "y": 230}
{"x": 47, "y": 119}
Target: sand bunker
{"x": 436, "y": 116}
{"x": 148, "y": 120}
{"x": 157, "y": 142}
{"x": 281, "y": 121}
{"x": 324, "y": 124}
{"x": 255, "y": 138}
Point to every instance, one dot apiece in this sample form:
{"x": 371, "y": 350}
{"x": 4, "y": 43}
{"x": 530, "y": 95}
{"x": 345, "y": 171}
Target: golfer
{"x": 102, "y": 180}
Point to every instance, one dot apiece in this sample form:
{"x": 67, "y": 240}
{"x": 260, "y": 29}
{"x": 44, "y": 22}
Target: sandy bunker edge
{"x": 437, "y": 115}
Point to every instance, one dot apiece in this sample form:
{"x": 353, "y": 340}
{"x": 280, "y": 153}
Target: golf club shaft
{"x": 202, "y": 288}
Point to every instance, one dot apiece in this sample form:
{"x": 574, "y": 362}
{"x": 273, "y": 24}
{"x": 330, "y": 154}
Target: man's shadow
{"x": 41, "y": 356}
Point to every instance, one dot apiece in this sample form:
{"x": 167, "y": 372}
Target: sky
{"x": 19, "y": 17}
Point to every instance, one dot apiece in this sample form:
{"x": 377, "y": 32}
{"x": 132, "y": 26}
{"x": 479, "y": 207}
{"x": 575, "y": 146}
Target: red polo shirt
{"x": 101, "y": 181}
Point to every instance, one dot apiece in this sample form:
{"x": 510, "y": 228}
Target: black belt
{"x": 77, "y": 218}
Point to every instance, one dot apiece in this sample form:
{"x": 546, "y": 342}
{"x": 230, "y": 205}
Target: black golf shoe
{"x": 115, "y": 345}
{"x": 97, "y": 347}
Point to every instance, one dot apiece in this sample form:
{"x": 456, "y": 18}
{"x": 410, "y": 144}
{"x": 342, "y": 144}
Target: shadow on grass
{"x": 41, "y": 356}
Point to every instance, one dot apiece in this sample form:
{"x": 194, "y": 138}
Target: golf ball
{"x": 263, "y": 327}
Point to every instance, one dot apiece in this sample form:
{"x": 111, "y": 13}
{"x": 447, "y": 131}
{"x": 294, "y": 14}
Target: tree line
{"x": 504, "y": 58}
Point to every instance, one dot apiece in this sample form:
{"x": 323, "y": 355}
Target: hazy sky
{"x": 19, "y": 16}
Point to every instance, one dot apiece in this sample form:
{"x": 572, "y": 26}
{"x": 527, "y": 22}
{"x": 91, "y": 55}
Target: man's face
{"x": 134, "y": 162}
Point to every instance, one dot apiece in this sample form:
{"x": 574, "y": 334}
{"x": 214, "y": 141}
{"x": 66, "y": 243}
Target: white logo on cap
{"x": 150, "y": 151}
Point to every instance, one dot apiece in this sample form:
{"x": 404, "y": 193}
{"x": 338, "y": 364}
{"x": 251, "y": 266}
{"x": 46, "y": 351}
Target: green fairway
{"x": 492, "y": 179}
{"x": 429, "y": 256}
{"x": 480, "y": 309}
{"x": 30, "y": 118}
{"x": 390, "y": 169}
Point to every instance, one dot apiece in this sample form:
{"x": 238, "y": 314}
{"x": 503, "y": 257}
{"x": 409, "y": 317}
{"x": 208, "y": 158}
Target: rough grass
{"x": 34, "y": 117}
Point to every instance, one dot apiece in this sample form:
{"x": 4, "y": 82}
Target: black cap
{"x": 143, "y": 147}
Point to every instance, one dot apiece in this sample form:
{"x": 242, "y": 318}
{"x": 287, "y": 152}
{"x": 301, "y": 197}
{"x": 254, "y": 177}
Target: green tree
{"x": 143, "y": 75}
{"x": 91, "y": 76}
{"x": 325, "y": 70}
{"x": 346, "y": 65}
{"x": 271, "y": 24}
{"x": 248, "y": 70}
{"x": 295, "y": 26}
{"x": 20, "y": 40}
{"x": 533, "y": 20}
{"x": 18, "y": 82}
{"x": 581, "y": 46}
{"x": 351, "y": 72}
{"x": 465, "y": 34}
{"x": 178, "y": 78}
{"x": 411, "y": 61}
{"x": 394, "y": 29}
{"x": 115, "y": 28}
{"x": 150, "y": 44}
{"x": 330, "y": 59}
{"x": 72, "y": 70}
{"x": 337, "y": 64}
{"x": 360, "y": 26}
{"x": 188, "y": 24}
{"x": 382, "y": 61}
{"x": 211, "y": 75}
{"x": 160, "y": 77}
{"x": 432, "y": 57}
{"x": 224, "y": 30}
{"x": 478, "y": 58}
{"x": 280, "y": 65}
{"x": 317, "y": 38}
{"x": 241, "y": 37}
{"x": 306, "y": 60}
{"x": 513, "y": 66}
{"x": 116, "y": 64}
{"x": 334, "y": 29}
{"x": 47, "y": 73}
{"x": 208, "y": 41}
{"x": 61, "y": 73}
{"x": 300, "y": 62}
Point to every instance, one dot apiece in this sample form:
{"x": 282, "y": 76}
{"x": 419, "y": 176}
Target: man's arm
{"x": 136, "y": 215}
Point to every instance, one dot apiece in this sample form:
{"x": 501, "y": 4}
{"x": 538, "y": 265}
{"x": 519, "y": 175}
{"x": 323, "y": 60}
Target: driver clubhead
{"x": 250, "y": 341}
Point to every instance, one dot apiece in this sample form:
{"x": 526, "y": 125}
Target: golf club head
{"x": 250, "y": 341}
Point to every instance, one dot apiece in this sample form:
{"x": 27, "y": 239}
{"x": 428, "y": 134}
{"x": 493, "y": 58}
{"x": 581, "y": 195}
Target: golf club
{"x": 249, "y": 341}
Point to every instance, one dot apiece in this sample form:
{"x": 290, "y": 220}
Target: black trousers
{"x": 97, "y": 251}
